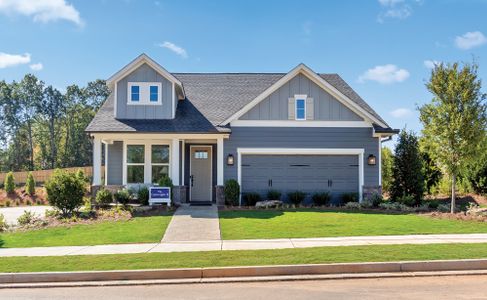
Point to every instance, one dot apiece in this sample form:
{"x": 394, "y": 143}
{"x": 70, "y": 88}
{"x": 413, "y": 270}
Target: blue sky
{"x": 383, "y": 49}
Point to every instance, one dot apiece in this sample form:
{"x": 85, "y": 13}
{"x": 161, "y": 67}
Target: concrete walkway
{"x": 11, "y": 214}
{"x": 193, "y": 223}
{"x": 219, "y": 245}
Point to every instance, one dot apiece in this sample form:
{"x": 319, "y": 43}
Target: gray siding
{"x": 292, "y": 137}
{"x": 326, "y": 107}
{"x": 115, "y": 164}
{"x": 144, "y": 74}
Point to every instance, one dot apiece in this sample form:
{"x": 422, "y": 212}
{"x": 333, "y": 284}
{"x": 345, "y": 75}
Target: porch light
{"x": 371, "y": 160}
{"x": 230, "y": 160}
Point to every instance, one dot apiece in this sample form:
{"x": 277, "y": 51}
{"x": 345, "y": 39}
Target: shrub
{"x": 51, "y": 213}
{"x": 143, "y": 195}
{"x": 81, "y": 175}
{"x": 395, "y": 206}
{"x": 3, "y": 223}
{"x": 353, "y": 205}
{"x": 250, "y": 199}
{"x": 65, "y": 191}
{"x": 122, "y": 196}
{"x": 296, "y": 197}
{"x": 446, "y": 208}
{"x": 26, "y": 218}
{"x": 8, "y": 203}
{"x": 103, "y": 198}
{"x": 349, "y": 197}
{"x": 374, "y": 200}
{"x": 407, "y": 200}
{"x": 232, "y": 192}
{"x": 30, "y": 185}
{"x": 273, "y": 195}
{"x": 9, "y": 183}
{"x": 433, "y": 204}
{"x": 321, "y": 198}
{"x": 166, "y": 181}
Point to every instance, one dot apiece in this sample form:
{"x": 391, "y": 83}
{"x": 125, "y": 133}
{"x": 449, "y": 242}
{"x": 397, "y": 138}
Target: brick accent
{"x": 220, "y": 195}
{"x": 179, "y": 194}
{"x": 369, "y": 190}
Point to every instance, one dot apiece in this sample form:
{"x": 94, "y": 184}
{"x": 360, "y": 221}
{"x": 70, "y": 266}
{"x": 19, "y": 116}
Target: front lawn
{"x": 376, "y": 253}
{"x": 136, "y": 230}
{"x": 268, "y": 224}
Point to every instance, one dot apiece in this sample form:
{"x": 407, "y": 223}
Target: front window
{"x": 159, "y": 162}
{"x": 135, "y": 163}
{"x": 300, "y": 109}
{"x": 135, "y": 93}
{"x": 154, "y": 93}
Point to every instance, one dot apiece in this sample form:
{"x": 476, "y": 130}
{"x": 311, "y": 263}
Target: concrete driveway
{"x": 12, "y": 213}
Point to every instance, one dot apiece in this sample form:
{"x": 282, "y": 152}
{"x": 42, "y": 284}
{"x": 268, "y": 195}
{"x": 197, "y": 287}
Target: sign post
{"x": 159, "y": 194}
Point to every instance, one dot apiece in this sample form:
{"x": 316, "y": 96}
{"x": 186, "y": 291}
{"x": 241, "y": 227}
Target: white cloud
{"x": 385, "y": 74}
{"x": 401, "y": 113}
{"x": 11, "y": 60}
{"x": 470, "y": 40}
{"x": 394, "y": 9}
{"x": 36, "y": 67}
{"x": 430, "y": 64}
{"x": 174, "y": 48}
{"x": 42, "y": 11}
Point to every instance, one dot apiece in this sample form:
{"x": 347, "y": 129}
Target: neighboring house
{"x": 283, "y": 131}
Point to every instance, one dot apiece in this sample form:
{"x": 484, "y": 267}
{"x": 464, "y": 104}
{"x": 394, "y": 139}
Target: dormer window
{"x": 300, "y": 107}
{"x": 144, "y": 93}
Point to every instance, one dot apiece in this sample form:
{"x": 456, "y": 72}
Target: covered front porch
{"x": 194, "y": 162}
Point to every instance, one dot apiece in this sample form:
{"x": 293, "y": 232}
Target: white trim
{"x": 106, "y": 163}
{"x": 147, "y": 158}
{"x": 380, "y": 161}
{"x": 115, "y": 100}
{"x": 144, "y": 93}
{"x": 183, "y": 146}
{"x": 303, "y": 69}
{"x": 210, "y": 156}
{"x": 174, "y": 102}
{"x": 293, "y": 123}
{"x": 220, "y": 161}
{"x": 155, "y": 136}
{"x": 304, "y": 151}
{"x": 174, "y": 162}
{"x": 296, "y": 98}
{"x": 96, "y": 160}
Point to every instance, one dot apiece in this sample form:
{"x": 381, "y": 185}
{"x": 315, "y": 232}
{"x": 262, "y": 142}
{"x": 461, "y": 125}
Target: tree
{"x": 407, "y": 173}
{"x": 454, "y": 122}
{"x": 387, "y": 159}
{"x": 432, "y": 173}
{"x": 476, "y": 172}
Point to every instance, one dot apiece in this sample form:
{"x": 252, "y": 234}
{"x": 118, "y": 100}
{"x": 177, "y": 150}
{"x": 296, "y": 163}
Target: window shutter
{"x": 291, "y": 109}
{"x": 310, "y": 111}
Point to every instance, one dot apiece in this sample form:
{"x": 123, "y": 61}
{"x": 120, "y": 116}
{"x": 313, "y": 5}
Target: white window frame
{"x": 296, "y": 98}
{"x": 147, "y": 159}
{"x": 127, "y": 164}
{"x": 144, "y": 93}
{"x": 168, "y": 164}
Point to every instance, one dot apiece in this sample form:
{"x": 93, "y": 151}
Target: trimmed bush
{"x": 9, "y": 183}
{"x": 26, "y": 218}
{"x": 81, "y": 175}
{"x": 349, "y": 197}
{"x": 30, "y": 185}
{"x": 374, "y": 200}
{"x": 232, "y": 192}
{"x": 143, "y": 195}
{"x": 166, "y": 181}
{"x": 408, "y": 200}
{"x": 65, "y": 191}
{"x": 103, "y": 198}
{"x": 321, "y": 199}
{"x": 122, "y": 196}
{"x": 250, "y": 199}
{"x": 296, "y": 197}
{"x": 433, "y": 204}
{"x": 273, "y": 195}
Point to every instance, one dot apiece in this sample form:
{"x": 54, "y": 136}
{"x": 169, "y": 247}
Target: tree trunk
{"x": 453, "y": 195}
{"x": 31, "y": 145}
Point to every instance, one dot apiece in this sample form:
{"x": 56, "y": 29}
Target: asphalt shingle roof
{"x": 211, "y": 98}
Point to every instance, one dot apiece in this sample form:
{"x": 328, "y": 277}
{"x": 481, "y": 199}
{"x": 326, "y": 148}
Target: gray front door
{"x": 336, "y": 174}
{"x": 201, "y": 173}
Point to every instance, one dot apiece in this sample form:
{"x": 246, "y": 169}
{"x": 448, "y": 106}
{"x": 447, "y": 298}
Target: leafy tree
{"x": 387, "y": 159}
{"x": 407, "y": 170}
{"x": 432, "y": 173}
{"x": 9, "y": 183}
{"x": 454, "y": 122}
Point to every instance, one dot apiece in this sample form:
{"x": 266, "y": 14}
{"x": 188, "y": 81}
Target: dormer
{"x": 143, "y": 89}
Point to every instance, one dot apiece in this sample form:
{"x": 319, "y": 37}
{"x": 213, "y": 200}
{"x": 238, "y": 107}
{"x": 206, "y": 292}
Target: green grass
{"x": 136, "y": 230}
{"x": 374, "y": 253}
{"x": 263, "y": 224}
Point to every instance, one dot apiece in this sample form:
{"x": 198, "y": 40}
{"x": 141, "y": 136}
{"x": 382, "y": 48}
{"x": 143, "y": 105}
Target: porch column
{"x": 96, "y": 160}
{"x": 175, "y": 161}
{"x": 219, "y": 161}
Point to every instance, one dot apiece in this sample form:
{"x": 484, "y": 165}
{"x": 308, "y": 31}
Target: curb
{"x": 219, "y": 274}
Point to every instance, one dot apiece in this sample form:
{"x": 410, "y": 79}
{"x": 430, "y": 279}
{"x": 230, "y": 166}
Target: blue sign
{"x": 160, "y": 193}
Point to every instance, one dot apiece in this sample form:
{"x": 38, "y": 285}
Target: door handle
{"x": 191, "y": 179}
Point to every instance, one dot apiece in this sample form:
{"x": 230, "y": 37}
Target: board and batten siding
{"x": 144, "y": 73}
{"x": 115, "y": 163}
{"x": 325, "y": 106}
{"x": 303, "y": 137}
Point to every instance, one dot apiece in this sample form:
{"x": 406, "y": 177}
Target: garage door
{"x": 308, "y": 173}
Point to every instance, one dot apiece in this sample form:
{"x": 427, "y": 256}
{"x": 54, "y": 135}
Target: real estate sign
{"x": 159, "y": 195}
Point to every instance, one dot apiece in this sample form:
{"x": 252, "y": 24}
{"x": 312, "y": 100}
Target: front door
{"x": 200, "y": 173}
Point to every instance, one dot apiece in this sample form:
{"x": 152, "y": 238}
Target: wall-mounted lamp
{"x": 230, "y": 160}
{"x": 371, "y": 160}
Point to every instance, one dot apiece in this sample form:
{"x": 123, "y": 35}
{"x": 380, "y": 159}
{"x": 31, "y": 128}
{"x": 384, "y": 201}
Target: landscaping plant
{"x": 321, "y": 199}
{"x": 387, "y": 159}
{"x": 349, "y": 197}
{"x": 143, "y": 195}
{"x": 250, "y": 199}
{"x": 3, "y": 223}
{"x": 296, "y": 197}
{"x": 103, "y": 198}
{"x": 273, "y": 195}
{"x": 374, "y": 200}
{"x": 65, "y": 191}
{"x": 122, "y": 196}
{"x": 232, "y": 192}
{"x": 9, "y": 183}
{"x": 26, "y": 218}
{"x": 30, "y": 185}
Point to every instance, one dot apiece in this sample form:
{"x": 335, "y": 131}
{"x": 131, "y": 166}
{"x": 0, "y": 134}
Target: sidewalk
{"x": 223, "y": 245}
{"x": 193, "y": 223}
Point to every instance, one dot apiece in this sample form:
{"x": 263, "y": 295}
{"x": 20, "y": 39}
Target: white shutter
{"x": 310, "y": 111}
{"x": 291, "y": 109}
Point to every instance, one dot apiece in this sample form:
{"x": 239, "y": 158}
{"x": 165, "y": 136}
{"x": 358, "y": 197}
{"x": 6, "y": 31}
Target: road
{"x": 452, "y": 287}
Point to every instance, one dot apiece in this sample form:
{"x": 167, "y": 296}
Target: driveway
{"x": 12, "y": 213}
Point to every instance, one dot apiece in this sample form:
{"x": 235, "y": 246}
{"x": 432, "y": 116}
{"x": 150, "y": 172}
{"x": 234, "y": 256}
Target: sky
{"x": 384, "y": 49}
